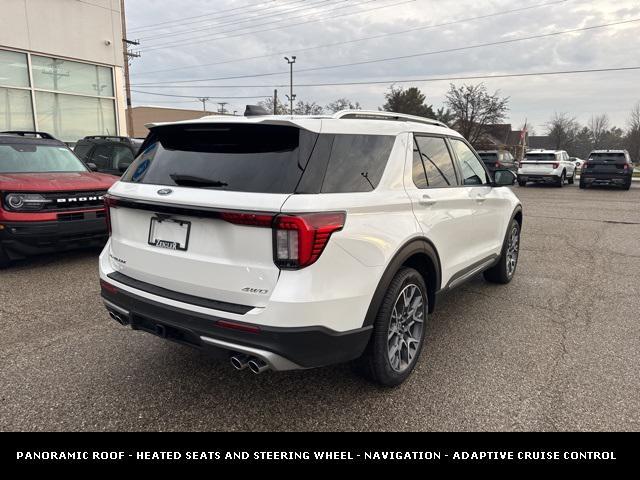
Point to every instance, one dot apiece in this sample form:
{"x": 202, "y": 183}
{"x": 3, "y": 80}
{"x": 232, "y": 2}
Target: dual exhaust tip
{"x": 256, "y": 365}
{"x": 118, "y": 317}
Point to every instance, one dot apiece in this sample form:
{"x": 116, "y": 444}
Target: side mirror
{"x": 503, "y": 178}
{"x": 93, "y": 167}
{"x": 122, "y": 166}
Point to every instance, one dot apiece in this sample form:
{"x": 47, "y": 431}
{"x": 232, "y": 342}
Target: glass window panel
{"x": 73, "y": 77}
{"x": 70, "y": 118}
{"x": 437, "y": 161}
{"x": 13, "y": 69}
{"x": 16, "y": 112}
{"x": 472, "y": 171}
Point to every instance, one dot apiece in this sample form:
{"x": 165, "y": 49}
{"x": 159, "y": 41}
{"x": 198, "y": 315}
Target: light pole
{"x": 204, "y": 101}
{"x": 291, "y": 96}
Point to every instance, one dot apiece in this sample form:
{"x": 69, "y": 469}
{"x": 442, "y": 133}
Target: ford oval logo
{"x": 164, "y": 191}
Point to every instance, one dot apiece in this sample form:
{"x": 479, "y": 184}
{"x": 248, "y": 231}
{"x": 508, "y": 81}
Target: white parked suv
{"x": 546, "y": 166}
{"x": 290, "y": 242}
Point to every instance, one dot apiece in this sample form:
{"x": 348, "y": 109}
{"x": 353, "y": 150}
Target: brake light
{"x": 626, "y": 167}
{"x": 299, "y": 240}
{"x": 585, "y": 165}
{"x": 108, "y": 203}
{"x": 250, "y": 219}
{"x": 556, "y": 165}
{"x": 497, "y": 165}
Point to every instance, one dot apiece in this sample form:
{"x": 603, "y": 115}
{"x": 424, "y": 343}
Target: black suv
{"x": 110, "y": 154}
{"x": 498, "y": 159}
{"x": 607, "y": 167}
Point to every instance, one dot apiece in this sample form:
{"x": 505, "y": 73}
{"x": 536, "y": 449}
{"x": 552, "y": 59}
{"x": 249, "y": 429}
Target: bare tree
{"x": 563, "y": 130}
{"x": 599, "y": 127}
{"x": 473, "y": 109}
{"x": 308, "y": 108}
{"x": 267, "y": 104}
{"x": 632, "y": 139}
{"x": 342, "y": 104}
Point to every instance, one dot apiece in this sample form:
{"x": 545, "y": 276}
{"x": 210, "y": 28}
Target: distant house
{"x": 500, "y": 137}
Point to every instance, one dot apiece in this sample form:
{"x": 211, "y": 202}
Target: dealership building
{"x": 62, "y": 67}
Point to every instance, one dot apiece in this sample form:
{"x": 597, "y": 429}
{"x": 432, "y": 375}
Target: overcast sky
{"x": 182, "y": 35}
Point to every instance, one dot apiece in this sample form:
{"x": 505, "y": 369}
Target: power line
{"x": 415, "y": 80}
{"x": 308, "y": 6}
{"x": 400, "y": 57}
{"x": 400, "y": 32}
{"x": 218, "y": 13}
{"x": 198, "y": 40}
{"x": 193, "y": 97}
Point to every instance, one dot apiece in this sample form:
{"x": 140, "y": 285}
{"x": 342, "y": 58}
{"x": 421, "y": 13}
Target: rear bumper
{"x": 536, "y": 177}
{"x": 605, "y": 178}
{"x": 20, "y": 239}
{"x": 281, "y": 348}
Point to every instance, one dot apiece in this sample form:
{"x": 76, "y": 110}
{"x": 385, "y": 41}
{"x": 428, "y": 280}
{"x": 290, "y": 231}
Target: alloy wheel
{"x": 405, "y": 328}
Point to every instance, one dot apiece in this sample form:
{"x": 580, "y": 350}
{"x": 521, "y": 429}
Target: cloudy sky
{"x": 235, "y": 48}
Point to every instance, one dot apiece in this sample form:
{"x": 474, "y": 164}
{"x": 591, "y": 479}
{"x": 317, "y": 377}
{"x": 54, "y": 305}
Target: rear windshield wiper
{"x": 192, "y": 181}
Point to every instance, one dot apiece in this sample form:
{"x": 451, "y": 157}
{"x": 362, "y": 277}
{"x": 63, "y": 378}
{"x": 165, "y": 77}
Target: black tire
{"x": 499, "y": 273}
{"x": 521, "y": 183}
{"x": 627, "y": 186}
{"x": 560, "y": 181}
{"x": 4, "y": 259}
{"x": 582, "y": 184}
{"x": 375, "y": 363}
{"x": 572, "y": 180}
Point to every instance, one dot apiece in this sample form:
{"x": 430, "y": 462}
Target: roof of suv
{"x": 345, "y": 121}
{"x": 26, "y": 137}
{"x": 608, "y": 151}
{"x": 542, "y": 150}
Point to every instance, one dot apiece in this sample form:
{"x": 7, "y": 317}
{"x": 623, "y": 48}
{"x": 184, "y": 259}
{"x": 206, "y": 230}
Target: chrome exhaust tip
{"x": 258, "y": 366}
{"x": 240, "y": 362}
{"x": 119, "y": 318}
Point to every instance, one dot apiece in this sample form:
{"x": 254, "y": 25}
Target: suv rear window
{"x": 541, "y": 157}
{"x": 489, "y": 157}
{"x": 260, "y": 158}
{"x": 608, "y": 157}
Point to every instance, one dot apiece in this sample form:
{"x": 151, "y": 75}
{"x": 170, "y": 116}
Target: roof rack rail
{"x": 380, "y": 115}
{"x": 95, "y": 137}
{"x": 25, "y": 133}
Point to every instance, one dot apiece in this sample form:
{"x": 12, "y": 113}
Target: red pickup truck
{"x": 49, "y": 199}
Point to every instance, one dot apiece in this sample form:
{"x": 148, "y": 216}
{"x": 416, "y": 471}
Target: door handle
{"x": 426, "y": 200}
{"x": 480, "y": 199}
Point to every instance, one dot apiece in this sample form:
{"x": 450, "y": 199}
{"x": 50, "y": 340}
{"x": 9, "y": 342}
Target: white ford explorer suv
{"x": 289, "y": 242}
{"x": 546, "y": 166}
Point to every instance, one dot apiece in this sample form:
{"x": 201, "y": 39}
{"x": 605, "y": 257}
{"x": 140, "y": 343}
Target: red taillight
{"x": 625, "y": 166}
{"x": 585, "y": 165}
{"x": 250, "y": 219}
{"x": 299, "y": 240}
{"x": 556, "y": 165}
{"x": 108, "y": 203}
{"x": 108, "y": 287}
{"x": 498, "y": 165}
{"x": 242, "y": 327}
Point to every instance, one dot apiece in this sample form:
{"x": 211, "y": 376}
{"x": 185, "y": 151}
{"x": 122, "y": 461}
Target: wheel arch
{"x": 418, "y": 253}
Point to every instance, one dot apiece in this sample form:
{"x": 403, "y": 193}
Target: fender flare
{"x": 415, "y": 246}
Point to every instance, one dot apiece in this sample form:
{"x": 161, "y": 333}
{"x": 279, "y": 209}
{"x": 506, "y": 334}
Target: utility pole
{"x": 127, "y": 55}
{"x": 275, "y": 101}
{"x": 291, "y": 96}
{"x": 222, "y": 104}
{"x": 204, "y": 101}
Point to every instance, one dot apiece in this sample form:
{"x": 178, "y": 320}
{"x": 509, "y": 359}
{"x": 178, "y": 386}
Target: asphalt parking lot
{"x": 557, "y": 349}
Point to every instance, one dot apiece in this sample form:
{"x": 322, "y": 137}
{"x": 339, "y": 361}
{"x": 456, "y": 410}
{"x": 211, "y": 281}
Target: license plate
{"x": 169, "y": 233}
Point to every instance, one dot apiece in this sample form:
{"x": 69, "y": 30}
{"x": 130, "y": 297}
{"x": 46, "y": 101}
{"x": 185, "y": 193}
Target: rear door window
{"x": 436, "y": 161}
{"x": 472, "y": 171}
{"x": 356, "y": 163}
